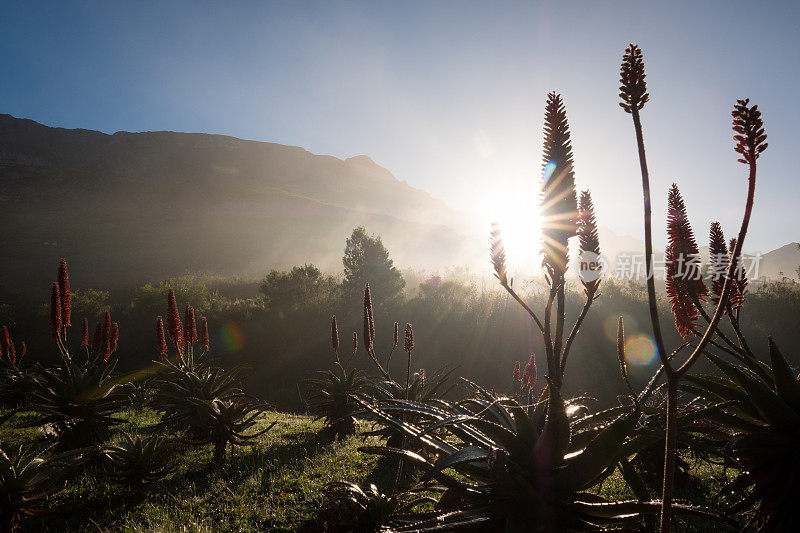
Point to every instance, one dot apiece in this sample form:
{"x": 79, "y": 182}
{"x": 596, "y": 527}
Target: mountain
{"x": 129, "y": 207}
{"x": 780, "y": 263}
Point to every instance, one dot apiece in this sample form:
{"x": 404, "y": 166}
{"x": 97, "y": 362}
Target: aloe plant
{"x": 563, "y": 218}
{"x": 78, "y": 401}
{"x": 332, "y": 397}
{"x": 28, "y": 477}
{"x": 502, "y": 467}
{"x": 206, "y": 404}
{"x": 135, "y": 461}
{"x": 686, "y": 293}
{"x": 763, "y": 412}
{"x": 701, "y": 431}
{"x": 421, "y": 389}
{"x": 15, "y": 386}
{"x": 14, "y": 381}
{"x": 350, "y": 507}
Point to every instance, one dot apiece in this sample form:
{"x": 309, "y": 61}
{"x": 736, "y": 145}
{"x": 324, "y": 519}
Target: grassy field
{"x": 274, "y": 485}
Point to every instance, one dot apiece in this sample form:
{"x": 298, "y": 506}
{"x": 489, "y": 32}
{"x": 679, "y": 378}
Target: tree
{"x": 302, "y": 288}
{"x": 151, "y": 299}
{"x": 366, "y": 260}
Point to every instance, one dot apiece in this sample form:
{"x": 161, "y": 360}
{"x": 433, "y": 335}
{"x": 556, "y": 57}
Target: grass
{"x": 273, "y": 485}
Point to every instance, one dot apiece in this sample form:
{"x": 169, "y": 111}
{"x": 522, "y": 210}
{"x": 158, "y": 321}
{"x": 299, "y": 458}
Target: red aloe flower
{"x": 174, "y": 321}
{"x": 205, "y": 343}
{"x": 684, "y": 278}
{"x": 22, "y": 350}
{"x": 55, "y": 311}
{"x": 749, "y": 129}
{"x": 106, "y": 338}
{"x": 718, "y": 253}
{"x": 85, "y": 333}
{"x": 739, "y": 288}
{"x": 369, "y": 319}
{"x": 191, "y": 326}
{"x": 5, "y": 341}
{"x": 114, "y": 336}
{"x": 559, "y": 204}
{"x": 408, "y": 345}
{"x": 529, "y": 375}
{"x": 334, "y": 334}
{"x": 8, "y": 345}
{"x": 63, "y": 287}
{"x": 589, "y": 242}
{"x": 97, "y": 338}
{"x": 161, "y": 341}
{"x": 516, "y": 375}
{"x": 12, "y": 355}
{"x": 497, "y": 251}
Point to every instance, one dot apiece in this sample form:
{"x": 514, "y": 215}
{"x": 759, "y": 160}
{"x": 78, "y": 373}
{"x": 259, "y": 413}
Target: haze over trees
{"x": 366, "y": 260}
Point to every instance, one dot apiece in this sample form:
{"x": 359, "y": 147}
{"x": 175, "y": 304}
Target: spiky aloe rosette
{"x": 135, "y": 461}
{"x": 352, "y": 507}
{"x": 331, "y": 397}
{"x": 501, "y": 467}
{"x": 79, "y": 401}
{"x": 763, "y": 412}
{"x": 206, "y": 404}
{"x": 29, "y": 476}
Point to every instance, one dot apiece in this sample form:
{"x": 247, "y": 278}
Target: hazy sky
{"x": 447, "y": 95}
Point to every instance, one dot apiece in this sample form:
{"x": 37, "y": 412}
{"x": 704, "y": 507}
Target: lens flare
{"x": 231, "y": 337}
{"x": 640, "y": 350}
{"x": 548, "y": 170}
{"x": 610, "y": 326}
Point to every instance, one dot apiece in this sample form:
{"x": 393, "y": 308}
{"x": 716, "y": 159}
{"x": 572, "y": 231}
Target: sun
{"x": 517, "y": 212}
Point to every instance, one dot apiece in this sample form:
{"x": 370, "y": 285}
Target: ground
{"x": 274, "y": 485}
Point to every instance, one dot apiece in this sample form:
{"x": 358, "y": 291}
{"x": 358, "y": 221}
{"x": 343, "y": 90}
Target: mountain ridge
{"x": 141, "y": 206}
{"x": 155, "y": 204}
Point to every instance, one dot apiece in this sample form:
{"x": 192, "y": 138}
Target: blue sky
{"x": 447, "y": 95}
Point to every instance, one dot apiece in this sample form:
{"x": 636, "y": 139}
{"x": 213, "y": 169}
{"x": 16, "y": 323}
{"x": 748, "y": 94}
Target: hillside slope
{"x": 133, "y": 206}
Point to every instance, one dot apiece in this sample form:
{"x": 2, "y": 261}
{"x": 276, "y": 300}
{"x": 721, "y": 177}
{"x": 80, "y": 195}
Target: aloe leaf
{"x": 786, "y": 384}
{"x": 467, "y": 454}
{"x": 772, "y": 408}
{"x": 472, "y": 519}
{"x": 582, "y": 469}
{"x": 502, "y": 437}
{"x": 599, "y": 418}
{"x": 446, "y": 480}
{"x": 525, "y": 430}
{"x": 629, "y": 507}
{"x": 553, "y": 443}
{"x": 634, "y": 480}
{"x": 457, "y": 425}
{"x": 500, "y": 413}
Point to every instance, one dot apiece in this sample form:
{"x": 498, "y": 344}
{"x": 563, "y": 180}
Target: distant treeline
{"x": 279, "y": 327}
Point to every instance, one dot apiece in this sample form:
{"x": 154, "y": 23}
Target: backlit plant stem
{"x": 559, "y": 335}
{"x": 590, "y": 297}
{"x": 648, "y": 243}
{"x": 525, "y": 306}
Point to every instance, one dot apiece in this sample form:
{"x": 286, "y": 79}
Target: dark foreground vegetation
{"x": 457, "y": 428}
{"x": 458, "y": 322}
